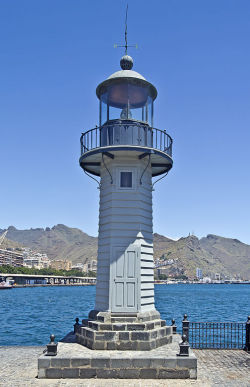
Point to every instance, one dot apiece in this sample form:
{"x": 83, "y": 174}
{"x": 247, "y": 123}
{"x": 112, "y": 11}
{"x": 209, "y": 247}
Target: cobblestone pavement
{"x": 18, "y": 368}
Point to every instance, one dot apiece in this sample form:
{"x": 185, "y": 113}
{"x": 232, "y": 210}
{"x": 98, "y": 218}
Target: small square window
{"x": 126, "y": 180}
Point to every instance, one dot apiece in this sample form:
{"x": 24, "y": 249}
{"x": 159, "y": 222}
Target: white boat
{"x": 5, "y": 285}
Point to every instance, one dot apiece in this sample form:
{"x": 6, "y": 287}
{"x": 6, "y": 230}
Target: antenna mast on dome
{"x": 126, "y": 36}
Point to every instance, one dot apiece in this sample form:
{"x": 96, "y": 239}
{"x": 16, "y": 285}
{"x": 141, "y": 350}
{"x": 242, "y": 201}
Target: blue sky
{"x": 54, "y": 53}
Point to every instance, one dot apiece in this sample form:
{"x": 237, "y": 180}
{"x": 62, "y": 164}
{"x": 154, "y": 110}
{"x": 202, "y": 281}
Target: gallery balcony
{"x": 125, "y": 135}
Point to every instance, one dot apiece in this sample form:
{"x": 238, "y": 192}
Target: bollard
{"x": 184, "y": 347}
{"x": 76, "y": 325}
{"x": 247, "y": 346}
{"x": 51, "y": 347}
{"x": 185, "y": 326}
{"x": 174, "y": 327}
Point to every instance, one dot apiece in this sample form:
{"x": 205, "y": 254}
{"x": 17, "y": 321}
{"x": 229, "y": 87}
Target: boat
{"x": 5, "y": 284}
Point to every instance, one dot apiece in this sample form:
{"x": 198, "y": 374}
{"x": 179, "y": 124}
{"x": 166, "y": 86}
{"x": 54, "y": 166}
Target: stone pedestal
{"x": 134, "y": 332}
{"x": 76, "y": 361}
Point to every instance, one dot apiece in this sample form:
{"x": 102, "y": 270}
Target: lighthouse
{"x": 125, "y": 151}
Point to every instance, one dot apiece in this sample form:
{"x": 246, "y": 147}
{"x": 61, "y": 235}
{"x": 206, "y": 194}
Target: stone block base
{"x": 76, "y": 361}
{"x": 138, "y": 332}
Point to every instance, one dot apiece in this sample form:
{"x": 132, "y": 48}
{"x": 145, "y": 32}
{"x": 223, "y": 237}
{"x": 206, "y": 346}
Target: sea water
{"x": 29, "y": 315}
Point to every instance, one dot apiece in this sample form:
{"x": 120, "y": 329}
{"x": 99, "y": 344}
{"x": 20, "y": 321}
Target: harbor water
{"x": 29, "y": 315}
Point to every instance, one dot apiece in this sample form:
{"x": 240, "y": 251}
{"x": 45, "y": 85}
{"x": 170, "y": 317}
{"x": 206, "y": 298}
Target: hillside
{"x": 58, "y": 242}
{"x": 213, "y": 254}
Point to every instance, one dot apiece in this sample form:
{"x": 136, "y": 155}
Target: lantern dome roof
{"x": 126, "y": 74}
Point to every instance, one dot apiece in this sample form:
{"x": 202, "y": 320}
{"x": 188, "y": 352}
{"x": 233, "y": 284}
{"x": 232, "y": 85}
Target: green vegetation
{"x": 25, "y": 270}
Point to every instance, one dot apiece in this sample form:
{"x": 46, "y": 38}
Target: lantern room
{"x": 126, "y": 95}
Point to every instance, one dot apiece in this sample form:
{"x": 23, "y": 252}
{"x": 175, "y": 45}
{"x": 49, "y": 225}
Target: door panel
{"x": 131, "y": 264}
{"x": 120, "y": 266}
{"x": 124, "y": 285}
{"x": 131, "y": 294}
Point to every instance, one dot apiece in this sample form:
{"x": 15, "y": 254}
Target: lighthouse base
{"x": 133, "y": 332}
{"x": 76, "y": 361}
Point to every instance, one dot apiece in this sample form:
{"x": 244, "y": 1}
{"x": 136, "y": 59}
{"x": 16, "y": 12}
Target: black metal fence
{"x": 217, "y": 335}
{"x": 126, "y": 134}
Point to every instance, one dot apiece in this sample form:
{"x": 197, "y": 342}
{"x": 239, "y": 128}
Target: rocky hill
{"x": 213, "y": 254}
{"x": 58, "y": 242}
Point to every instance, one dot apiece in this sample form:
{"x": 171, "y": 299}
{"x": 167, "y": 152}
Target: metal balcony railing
{"x": 134, "y": 134}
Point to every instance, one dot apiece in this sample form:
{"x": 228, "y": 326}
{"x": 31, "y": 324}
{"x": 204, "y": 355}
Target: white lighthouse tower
{"x": 125, "y": 151}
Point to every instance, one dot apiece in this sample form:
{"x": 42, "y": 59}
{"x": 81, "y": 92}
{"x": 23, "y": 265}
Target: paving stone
{"x": 150, "y": 325}
{"x": 107, "y": 374}
{"x": 105, "y": 327}
{"x": 119, "y": 327}
{"x": 53, "y": 373}
{"x": 79, "y": 362}
{"x": 58, "y": 362}
{"x": 87, "y": 373}
{"x": 129, "y": 373}
{"x": 173, "y": 374}
{"x": 98, "y": 363}
{"x": 148, "y": 373}
{"x": 43, "y": 363}
{"x": 141, "y": 362}
{"x": 70, "y": 373}
{"x": 121, "y": 363}
{"x": 123, "y": 335}
{"x": 99, "y": 345}
{"x": 135, "y": 327}
{"x": 105, "y": 335}
{"x": 140, "y": 335}
{"x": 163, "y": 362}
{"x": 186, "y": 362}
{"x": 111, "y": 345}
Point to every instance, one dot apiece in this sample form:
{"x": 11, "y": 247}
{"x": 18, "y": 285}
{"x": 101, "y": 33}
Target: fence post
{"x": 184, "y": 347}
{"x": 76, "y": 325}
{"x": 185, "y": 327}
{"x": 174, "y": 327}
{"x": 247, "y": 346}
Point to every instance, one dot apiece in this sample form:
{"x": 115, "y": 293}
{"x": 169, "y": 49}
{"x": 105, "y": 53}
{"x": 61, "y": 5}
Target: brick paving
{"x": 18, "y": 368}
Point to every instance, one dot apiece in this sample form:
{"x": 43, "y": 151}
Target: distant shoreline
{"x": 156, "y": 283}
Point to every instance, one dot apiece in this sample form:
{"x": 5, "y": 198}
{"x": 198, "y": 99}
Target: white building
{"x": 199, "y": 273}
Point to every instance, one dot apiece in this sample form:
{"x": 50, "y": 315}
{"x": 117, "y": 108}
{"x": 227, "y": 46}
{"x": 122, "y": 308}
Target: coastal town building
{"x": 60, "y": 264}
{"x": 78, "y": 266}
{"x": 199, "y": 274}
{"x": 90, "y": 266}
{"x": 37, "y": 261}
{"x": 11, "y": 257}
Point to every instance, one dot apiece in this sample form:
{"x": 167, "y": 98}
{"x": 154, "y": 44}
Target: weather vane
{"x": 126, "y": 36}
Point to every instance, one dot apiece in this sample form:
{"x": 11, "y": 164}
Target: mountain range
{"x": 213, "y": 254}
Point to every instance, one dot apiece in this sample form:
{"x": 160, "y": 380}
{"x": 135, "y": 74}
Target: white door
{"x": 124, "y": 285}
